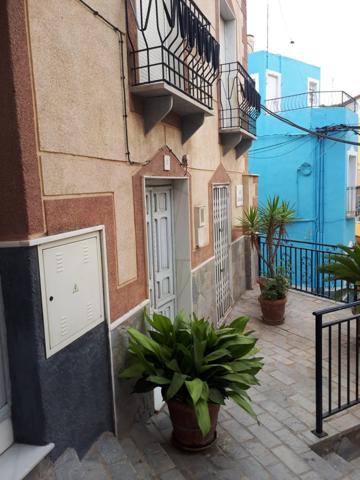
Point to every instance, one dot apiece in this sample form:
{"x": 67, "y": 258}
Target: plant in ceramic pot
{"x": 270, "y": 221}
{"x": 273, "y": 300}
{"x": 197, "y": 367}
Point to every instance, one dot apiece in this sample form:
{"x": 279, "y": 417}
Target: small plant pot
{"x": 186, "y": 433}
{"x": 273, "y": 310}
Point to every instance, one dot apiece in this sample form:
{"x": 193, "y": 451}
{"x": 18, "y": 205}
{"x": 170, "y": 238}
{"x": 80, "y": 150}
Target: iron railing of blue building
{"x": 336, "y": 361}
{"x": 239, "y": 100}
{"x": 170, "y": 41}
{"x": 312, "y": 99}
{"x": 300, "y": 262}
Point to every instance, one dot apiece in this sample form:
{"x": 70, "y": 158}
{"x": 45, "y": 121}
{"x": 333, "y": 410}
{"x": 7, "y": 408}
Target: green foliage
{"x": 194, "y": 362}
{"x": 276, "y": 288}
{"x": 271, "y": 221}
{"x": 344, "y": 267}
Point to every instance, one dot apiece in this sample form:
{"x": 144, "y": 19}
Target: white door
{"x": 6, "y": 431}
{"x": 222, "y": 250}
{"x": 161, "y": 248}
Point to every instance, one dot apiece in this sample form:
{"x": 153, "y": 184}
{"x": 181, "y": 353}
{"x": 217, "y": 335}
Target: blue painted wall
{"x": 309, "y": 173}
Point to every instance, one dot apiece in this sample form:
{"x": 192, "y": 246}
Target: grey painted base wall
{"x": 67, "y": 398}
{"x": 203, "y": 290}
{"x": 129, "y": 407}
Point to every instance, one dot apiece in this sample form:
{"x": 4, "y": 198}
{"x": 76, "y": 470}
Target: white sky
{"x": 326, "y": 34}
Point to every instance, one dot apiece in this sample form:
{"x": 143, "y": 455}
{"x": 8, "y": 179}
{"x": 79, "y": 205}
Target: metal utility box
{"x": 72, "y": 289}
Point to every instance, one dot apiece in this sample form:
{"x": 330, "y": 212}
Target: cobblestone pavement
{"x": 279, "y": 447}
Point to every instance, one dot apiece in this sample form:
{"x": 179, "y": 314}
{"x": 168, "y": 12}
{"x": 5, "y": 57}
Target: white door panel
{"x": 161, "y": 248}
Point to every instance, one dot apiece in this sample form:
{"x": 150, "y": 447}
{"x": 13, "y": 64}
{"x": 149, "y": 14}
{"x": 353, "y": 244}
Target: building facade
{"x": 124, "y": 173}
{"x": 316, "y": 175}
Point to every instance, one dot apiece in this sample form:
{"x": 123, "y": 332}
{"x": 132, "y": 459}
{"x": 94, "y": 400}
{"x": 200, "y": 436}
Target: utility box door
{"x": 72, "y": 289}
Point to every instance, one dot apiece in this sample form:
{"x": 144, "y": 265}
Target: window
{"x": 351, "y": 182}
{"x": 273, "y": 91}
{"x": 313, "y": 92}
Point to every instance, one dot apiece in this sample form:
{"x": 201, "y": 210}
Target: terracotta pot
{"x": 186, "y": 433}
{"x": 273, "y": 310}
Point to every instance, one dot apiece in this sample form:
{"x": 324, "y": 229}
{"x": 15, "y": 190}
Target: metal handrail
{"x": 331, "y": 335}
{"x": 313, "y": 99}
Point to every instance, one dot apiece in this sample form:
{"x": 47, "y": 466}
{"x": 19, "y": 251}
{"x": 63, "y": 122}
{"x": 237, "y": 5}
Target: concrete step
{"x": 68, "y": 466}
{"x": 339, "y": 463}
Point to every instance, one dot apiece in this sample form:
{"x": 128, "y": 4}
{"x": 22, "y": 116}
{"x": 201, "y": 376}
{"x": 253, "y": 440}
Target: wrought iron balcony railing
{"x": 170, "y": 41}
{"x": 353, "y": 201}
{"x": 239, "y": 100}
{"x": 316, "y": 99}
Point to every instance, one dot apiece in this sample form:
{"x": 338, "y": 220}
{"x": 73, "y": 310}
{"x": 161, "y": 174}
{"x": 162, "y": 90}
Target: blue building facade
{"x": 316, "y": 175}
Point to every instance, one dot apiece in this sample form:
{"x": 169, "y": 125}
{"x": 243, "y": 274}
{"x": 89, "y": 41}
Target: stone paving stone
{"x": 110, "y": 449}
{"x": 252, "y": 469}
{"x": 292, "y": 441}
{"x": 68, "y": 466}
{"x": 260, "y": 453}
{"x": 304, "y": 402}
{"x": 264, "y": 436}
{"x": 241, "y": 416}
{"x": 311, "y": 476}
{"x": 321, "y": 466}
{"x": 280, "y": 472}
{"x": 172, "y": 475}
{"x": 143, "y": 470}
{"x": 282, "y": 377}
{"x": 237, "y": 431}
{"x": 293, "y": 461}
{"x": 269, "y": 422}
{"x": 279, "y": 412}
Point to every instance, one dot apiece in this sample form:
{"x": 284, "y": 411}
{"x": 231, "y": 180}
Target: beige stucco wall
{"x": 79, "y": 114}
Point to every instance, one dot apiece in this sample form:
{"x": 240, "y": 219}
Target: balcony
{"x": 353, "y": 201}
{"x": 239, "y": 108}
{"x": 173, "y": 61}
{"x": 313, "y": 99}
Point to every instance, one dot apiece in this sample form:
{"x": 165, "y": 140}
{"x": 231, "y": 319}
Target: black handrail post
{"x": 318, "y": 378}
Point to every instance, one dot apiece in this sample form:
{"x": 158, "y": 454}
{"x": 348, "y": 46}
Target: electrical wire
{"x": 284, "y": 153}
{"x": 277, "y": 145}
{"x": 121, "y": 36}
{"x": 313, "y": 133}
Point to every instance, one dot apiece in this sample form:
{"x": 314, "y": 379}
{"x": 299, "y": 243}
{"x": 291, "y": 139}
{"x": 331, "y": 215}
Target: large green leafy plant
{"x": 194, "y": 362}
{"x": 271, "y": 221}
{"x": 344, "y": 266}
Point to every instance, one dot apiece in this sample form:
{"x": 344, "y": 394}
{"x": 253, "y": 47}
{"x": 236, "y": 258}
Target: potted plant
{"x": 273, "y": 300}
{"x": 197, "y": 367}
{"x": 270, "y": 221}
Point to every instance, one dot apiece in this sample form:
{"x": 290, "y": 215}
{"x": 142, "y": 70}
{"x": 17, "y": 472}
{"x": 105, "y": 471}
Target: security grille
{"x": 222, "y": 249}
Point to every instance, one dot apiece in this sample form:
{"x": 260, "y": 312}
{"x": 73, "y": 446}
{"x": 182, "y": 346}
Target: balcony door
{"x": 273, "y": 90}
{"x": 6, "y": 431}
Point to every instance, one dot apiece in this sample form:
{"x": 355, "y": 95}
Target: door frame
{"x": 182, "y": 236}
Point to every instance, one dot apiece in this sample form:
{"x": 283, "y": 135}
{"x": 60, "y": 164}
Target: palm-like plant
{"x": 271, "y": 221}
{"x": 344, "y": 266}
